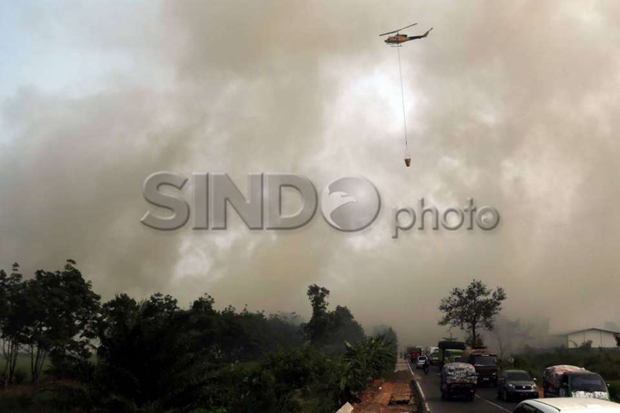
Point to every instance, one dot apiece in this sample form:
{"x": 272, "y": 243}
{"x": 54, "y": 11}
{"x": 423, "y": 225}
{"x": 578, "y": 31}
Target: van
{"x": 572, "y": 381}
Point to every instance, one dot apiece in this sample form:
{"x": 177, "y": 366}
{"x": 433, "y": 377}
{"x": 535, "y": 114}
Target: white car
{"x": 567, "y": 404}
{"x": 420, "y": 362}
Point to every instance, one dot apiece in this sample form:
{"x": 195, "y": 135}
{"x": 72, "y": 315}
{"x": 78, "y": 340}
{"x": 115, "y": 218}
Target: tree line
{"x": 128, "y": 355}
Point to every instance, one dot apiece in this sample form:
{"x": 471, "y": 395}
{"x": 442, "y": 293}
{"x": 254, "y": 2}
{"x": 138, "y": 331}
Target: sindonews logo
{"x": 348, "y": 204}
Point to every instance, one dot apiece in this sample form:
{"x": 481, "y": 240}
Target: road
{"x": 485, "y": 402}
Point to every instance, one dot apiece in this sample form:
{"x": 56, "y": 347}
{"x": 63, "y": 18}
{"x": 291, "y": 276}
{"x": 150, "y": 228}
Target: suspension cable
{"x": 402, "y": 92}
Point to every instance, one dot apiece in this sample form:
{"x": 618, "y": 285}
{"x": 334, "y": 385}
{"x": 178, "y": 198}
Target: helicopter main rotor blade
{"x": 388, "y": 33}
{"x": 396, "y": 31}
{"x": 411, "y": 25}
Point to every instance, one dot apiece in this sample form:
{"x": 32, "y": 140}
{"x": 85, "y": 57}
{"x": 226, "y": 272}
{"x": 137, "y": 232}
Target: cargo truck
{"x": 413, "y": 353}
{"x": 485, "y": 364}
{"x": 449, "y": 351}
{"x": 458, "y": 379}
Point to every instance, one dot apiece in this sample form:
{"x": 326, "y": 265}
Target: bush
{"x": 369, "y": 359}
{"x": 210, "y": 411}
{"x": 614, "y": 390}
{"x": 15, "y": 403}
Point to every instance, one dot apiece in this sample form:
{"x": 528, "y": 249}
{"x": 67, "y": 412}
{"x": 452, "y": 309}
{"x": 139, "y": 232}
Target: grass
{"x": 23, "y": 368}
{"x": 24, "y": 397}
{"x": 33, "y": 398}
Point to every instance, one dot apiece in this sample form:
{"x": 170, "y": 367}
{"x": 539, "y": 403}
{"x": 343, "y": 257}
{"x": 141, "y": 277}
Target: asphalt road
{"x": 485, "y": 401}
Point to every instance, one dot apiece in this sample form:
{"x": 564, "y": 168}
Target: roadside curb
{"x": 421, "y": 398}
{"x": 422, "y": 404}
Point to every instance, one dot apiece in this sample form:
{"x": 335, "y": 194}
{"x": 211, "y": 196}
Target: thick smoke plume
{"x": 512, "y": 104}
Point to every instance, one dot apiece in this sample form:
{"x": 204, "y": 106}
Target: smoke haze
{"x": 513, "y": 104}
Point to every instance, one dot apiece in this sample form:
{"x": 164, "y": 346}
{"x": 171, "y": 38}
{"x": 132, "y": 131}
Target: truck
{"x": 485, "y": 364}
{"x": 433, "y": 355}
{"x": 449, "y": 351}
{"x": 453, "y": 356}
{"x": 572, "y": 381}
{"x": 413, "y": 353}
{"x": 458, "y": 379}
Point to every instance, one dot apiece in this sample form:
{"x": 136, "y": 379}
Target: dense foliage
{"x": 52, "y": 314}
{"x": 153, "y": 356}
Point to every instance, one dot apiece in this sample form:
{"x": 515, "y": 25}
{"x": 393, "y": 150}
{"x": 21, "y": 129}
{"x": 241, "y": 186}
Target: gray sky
{"x": 511, "y": 103}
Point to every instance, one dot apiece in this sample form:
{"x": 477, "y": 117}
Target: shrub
{"x": 614, "y": 390}
{"x": 15, "y": 403}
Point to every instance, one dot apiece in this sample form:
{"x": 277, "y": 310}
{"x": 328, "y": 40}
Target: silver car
{"x": 516, "y": 384}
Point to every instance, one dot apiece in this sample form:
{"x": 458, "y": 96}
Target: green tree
{"x": 58, "y": 311}
{"x": 389, "y": 334}
{"x": 330, "y": 329}
{"x": 316, "y": 329}
{"x": 11, "y": 323}
{"x": 342, "y": 327}
{"x": 472, "y": 309}
{"x": 146, "y": 356}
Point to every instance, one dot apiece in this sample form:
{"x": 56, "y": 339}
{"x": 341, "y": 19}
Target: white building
{"x": 600, "y": 338}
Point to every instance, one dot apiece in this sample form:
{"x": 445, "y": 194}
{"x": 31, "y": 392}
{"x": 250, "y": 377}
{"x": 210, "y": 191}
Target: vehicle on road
{"x": 413, "y": 353}
{"x": 485, "y": 364}
{"x": 572, "y": 381}
{"x": 572, "y": 405}
{"x": 458, "y": 380}
{"x": 434, "y": 355}
{"x": 513, "y": 384}
{"x": 420, "y": 362}
{"x": 429, "y": 352}
{"x": 449, "y": 350}
{"x": 452, "y": 356}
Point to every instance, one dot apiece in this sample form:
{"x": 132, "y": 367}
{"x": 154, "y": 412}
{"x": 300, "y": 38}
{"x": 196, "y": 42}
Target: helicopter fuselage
{"x": 397, "y": 39}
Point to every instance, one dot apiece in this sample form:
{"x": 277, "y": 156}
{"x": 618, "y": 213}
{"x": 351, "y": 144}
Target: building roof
{"x": 565, "y": 333}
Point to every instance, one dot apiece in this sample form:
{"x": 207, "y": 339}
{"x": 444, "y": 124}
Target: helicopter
{"x": 398, "y": 39}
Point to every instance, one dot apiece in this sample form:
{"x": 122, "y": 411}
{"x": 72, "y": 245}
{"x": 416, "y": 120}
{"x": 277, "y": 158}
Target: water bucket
{"x": 408, "y": 161}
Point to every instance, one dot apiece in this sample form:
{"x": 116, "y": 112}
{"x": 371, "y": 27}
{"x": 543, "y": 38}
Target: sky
{"x": 512, "y": 104}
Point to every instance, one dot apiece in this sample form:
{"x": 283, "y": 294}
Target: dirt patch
{"x": 394, "y": 394}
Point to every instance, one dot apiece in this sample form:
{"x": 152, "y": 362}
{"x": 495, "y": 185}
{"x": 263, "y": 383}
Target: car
{"x": 567, "y": 404}
{"x": 572, "y": 381}
{"x": 516, "y": 384}
{"x": 420, "y": 362}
